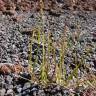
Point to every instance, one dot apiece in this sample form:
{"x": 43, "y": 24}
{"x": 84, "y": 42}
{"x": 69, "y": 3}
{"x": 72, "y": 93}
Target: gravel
{"x": 14, "y": 48}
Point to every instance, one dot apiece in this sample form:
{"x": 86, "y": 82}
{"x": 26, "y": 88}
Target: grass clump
{"x": 49, "y": 47}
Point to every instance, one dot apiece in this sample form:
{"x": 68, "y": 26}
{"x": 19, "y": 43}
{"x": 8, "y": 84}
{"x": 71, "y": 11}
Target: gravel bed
{"x": 14, "y": 47}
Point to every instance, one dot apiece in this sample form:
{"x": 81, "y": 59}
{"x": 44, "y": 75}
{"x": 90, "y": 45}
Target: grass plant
{"x": 50, "y": 49}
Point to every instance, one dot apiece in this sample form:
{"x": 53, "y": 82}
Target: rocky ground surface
{"x": 49, "y": 4}
{"x": 14, "y": 46}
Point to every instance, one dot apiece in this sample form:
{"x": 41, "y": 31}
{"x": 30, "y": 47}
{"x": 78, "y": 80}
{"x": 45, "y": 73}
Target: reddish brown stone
{"x": 25, "y": 5}
{"x": 2, "y": 5}
{"x": 13, "y": 68}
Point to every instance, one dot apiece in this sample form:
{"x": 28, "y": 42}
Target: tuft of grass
{"x": 30, "y": 56}
{"x": 50, "y": 49}
{"x": 60, "y": 68}
{"x": 43, "y": 73}
{"x": 43, "y": 65}
{"x": 75, "y": 38}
